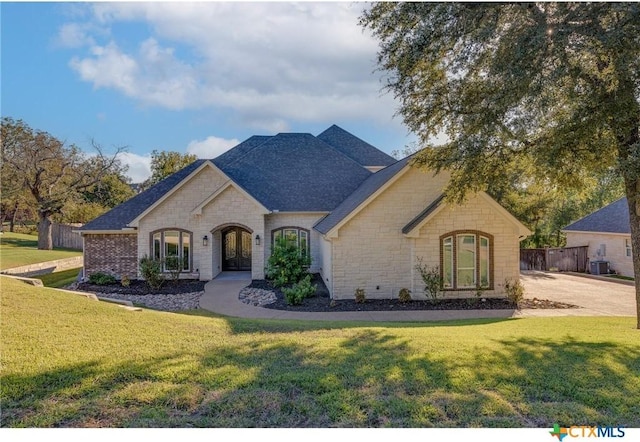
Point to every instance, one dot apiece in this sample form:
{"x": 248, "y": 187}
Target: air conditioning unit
{"x": 599, "y": 267}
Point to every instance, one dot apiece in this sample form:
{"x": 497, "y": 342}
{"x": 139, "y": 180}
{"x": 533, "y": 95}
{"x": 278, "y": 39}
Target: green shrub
{"x": 174, "y": 265}
{"x": 299, "y": 291}
{"x": 433, "y": 283}
{"x": 360, "y": 296}
{"x": 404, "y": 295}
{"x": 287, "y": 264}
{"x": 100, "y": 278}
{"x": 151, "y": 271}
{"x": 515, "y": 291}
{"x": 125, "y": 281}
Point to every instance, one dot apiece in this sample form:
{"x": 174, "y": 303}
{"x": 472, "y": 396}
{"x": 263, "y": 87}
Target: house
{"x": 365, "y": 219}
{"x": 607, "y": 232}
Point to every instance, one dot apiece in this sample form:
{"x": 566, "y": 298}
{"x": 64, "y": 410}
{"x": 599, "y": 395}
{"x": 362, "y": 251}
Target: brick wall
{"x": 116, "y": 254}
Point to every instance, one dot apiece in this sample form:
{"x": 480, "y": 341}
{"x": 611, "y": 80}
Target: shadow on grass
{"x": 250, "y": 325}
{"x": 370, "y": 378}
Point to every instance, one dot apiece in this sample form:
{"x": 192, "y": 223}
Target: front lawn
{"x": 71, "y": 362}
{"x": 60, "y": 279}
{"x": 18, "y": 249}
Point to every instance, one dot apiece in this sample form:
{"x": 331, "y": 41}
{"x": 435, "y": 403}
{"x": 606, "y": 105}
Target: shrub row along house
{"x": 366, "y": 220}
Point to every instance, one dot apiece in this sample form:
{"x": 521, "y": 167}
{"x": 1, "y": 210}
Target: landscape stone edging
{"x": 43, "y": 268}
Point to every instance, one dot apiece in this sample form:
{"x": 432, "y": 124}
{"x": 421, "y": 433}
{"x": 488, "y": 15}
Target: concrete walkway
{"x": 221, "y": 296}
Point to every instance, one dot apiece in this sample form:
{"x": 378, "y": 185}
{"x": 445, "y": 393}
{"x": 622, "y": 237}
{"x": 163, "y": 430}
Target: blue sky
{"x": 192, "y": 77}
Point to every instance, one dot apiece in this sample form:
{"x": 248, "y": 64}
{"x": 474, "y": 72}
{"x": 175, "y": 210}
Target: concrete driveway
{"x": 595, "y": 296}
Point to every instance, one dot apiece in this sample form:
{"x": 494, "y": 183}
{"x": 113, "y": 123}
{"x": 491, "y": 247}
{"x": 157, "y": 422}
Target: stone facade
{"x": 368, "y": 251}
{"x": 383, "y": 269}
{"x": 614, "y": 251}
{"x": 229, "y": 207}
{"x": 116, "y": 254}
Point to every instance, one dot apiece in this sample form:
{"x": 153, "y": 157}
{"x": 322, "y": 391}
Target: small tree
{"x": 433, "y": 283}
{"x": 288, "y": 263}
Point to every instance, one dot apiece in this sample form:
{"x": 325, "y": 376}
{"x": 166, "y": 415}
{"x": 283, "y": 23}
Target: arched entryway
{"x": 236, "y": 249}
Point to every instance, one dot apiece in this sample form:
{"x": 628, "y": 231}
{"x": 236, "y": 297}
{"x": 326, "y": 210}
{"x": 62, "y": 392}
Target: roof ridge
{"x": 267, "y": 138}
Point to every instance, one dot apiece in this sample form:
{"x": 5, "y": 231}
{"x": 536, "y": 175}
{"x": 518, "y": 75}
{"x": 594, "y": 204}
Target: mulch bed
{"x": 139, "y": 287}
{"x": 322, "y": 303}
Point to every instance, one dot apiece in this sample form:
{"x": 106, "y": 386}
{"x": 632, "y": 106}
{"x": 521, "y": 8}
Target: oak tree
{"x": 556, "y": 84}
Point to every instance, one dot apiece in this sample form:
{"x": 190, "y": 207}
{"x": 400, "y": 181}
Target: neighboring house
{"x": 365, "y": 219}
{"x": 608, "y": 234}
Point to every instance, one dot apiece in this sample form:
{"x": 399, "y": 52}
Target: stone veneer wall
{"x": 371, "y": 252}
{"x": 116, "y": 254}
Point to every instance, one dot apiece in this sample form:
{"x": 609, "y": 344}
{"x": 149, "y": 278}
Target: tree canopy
{"x": 50, "y": 172}
{"x": 165, "y": 163}
{"x": 554, "y": 85}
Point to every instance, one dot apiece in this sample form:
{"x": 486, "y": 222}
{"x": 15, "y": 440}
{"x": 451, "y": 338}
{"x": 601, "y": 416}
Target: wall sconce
{"x": 257, "y": 240}
{"x": 205, "y": 240}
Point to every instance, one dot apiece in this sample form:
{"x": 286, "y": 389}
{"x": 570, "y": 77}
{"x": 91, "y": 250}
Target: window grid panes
{"x": 627, "y": 246}
{"x": 466, "y": 261}
{"x": 170, "y": 243}
{"x": 298, "y": 237}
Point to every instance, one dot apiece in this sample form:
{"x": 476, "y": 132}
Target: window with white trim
{"x": 466, "y": 260}
{"x": 294, "y": 235}
{"x": 627, "y": 247}
{"x": 172, "y": 242}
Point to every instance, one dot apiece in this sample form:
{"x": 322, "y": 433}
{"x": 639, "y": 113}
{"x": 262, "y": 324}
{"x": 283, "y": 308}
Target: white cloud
{"x": 74, "y": 35}
{"x": 211, "y": 147}
{"x": 139, "y": 166}
{"x": 262, "y": 63}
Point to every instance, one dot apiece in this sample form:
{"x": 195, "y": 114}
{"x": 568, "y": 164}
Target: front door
{"x": 236, "y": 249}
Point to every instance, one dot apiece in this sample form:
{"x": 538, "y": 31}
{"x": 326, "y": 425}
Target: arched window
{"x": 295, "y": 235}
{"x": 172, "y": 243}
{"x": 466, "y": 260}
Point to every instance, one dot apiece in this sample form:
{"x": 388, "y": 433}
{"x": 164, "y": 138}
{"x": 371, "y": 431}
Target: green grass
{"x": 18, "y": 249}
{"x": 626, "y": 278}
{"x": 71, "y": 362}
{"x": 59, "y": 279}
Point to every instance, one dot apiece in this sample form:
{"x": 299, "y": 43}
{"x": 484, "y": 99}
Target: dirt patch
{"x": 322, "y": 303}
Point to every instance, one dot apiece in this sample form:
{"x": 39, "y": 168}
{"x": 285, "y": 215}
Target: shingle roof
{"x": 358, "y": 150}
{"x": 238, "y": 151}
{"x": 364, "y": 191}
{"x": 613, "y": 218}
{"x": 291, "y": 172}
{"x": 296, "y": 172}
{"x": 120, "y": 216}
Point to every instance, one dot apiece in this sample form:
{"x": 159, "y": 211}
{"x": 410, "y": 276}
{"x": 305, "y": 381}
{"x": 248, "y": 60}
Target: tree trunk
{"x": 45, "y": 238}
{"x": 633, "y": 199}
{"x": 14, "y": 215}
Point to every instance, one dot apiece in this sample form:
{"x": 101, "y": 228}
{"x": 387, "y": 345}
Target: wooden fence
{"x": 63, "y": 236}
{"x": 561, "y": 259}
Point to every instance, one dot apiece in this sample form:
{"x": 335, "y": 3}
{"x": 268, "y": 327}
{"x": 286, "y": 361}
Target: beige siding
{"x": 230, "y": 207}
{"x": 614, "y": 248}
{"x": 306, "y": 221}
{"x": 371, "y": 252}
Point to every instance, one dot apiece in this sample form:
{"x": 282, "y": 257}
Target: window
{"x": 166, "y": 243}
{"x": 627, "y": 247}
{"x": 294, "y": 235}
{"x": 466, "y": 260}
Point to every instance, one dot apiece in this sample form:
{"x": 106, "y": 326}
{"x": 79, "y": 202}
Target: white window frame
{"x": 159, "y": 235}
